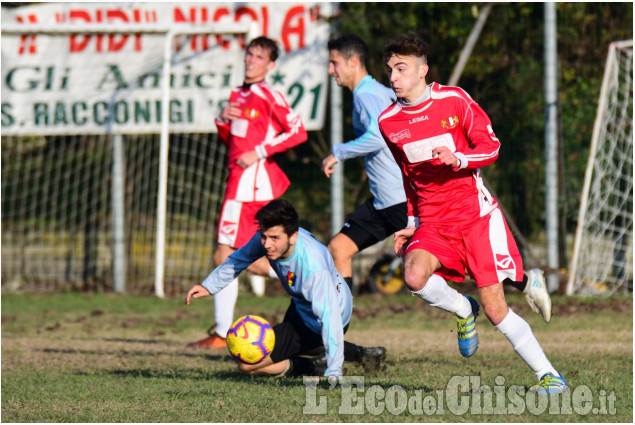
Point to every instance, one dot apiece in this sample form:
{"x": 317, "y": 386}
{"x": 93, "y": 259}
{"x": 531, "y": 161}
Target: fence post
{"x": 551, "y": 145}
{"x": 118, "y": 214}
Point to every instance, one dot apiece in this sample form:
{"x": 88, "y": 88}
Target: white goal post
{"x": 603, "y": 250}
{"x": 249, "y": 32}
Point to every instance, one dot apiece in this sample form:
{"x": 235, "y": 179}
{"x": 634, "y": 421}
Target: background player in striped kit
{"x": 256, "y": 124}
{"x": 440, "y": 138}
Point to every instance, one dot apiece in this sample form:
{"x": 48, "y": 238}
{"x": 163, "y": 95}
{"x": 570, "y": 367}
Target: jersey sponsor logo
{"x": 251, "y": 113}
{"x": 504, "y": 262}
{"x": 228, "y": 228}
{"x": 450, "y": 123}
{"x": 421, "y": 150}
{"x": 418, "y": 119}
{"x": 403, "y": 134}
{"x": 290, "y": 278}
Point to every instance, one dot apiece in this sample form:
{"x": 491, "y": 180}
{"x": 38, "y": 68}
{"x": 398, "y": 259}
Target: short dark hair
{"x": 409, "y": 44}
{"x": 350, "y": 45}
{"x": 278, "y": 212}
{"x": 267, "y": 44}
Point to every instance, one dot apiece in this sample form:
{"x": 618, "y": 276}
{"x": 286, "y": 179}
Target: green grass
{"x": 105, "y": 358}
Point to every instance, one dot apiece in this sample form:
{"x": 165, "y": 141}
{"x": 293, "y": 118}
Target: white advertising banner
{"x": 94, "y": 83}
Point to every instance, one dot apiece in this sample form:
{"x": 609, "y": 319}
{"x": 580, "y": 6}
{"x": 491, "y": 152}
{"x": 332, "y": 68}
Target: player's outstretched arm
{"x": 197, "y": 291}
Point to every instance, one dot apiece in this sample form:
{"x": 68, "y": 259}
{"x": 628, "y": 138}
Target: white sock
{"x": 272, "y": 273}
{"x": 224, "y": 303}
{"x": 518, "y": 332}
{"x": 257, "y": 284}
{"x": 437, "y": 293}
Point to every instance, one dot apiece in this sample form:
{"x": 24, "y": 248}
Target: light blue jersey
{"x": 320, "y": 294}
{"x": 370, "y": 99}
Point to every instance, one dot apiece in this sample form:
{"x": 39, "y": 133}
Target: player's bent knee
{"x": 333, "y": 249}
{"x": 341, "y": 251}
{"x": 415, "y": 279}
{"x": 416, "y": 273}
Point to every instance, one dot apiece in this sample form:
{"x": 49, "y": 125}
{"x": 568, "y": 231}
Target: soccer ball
{"x": 250, "y": 339}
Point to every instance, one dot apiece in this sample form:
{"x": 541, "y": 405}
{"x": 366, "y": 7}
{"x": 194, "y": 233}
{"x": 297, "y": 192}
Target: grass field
{"x": 106, "y": 358}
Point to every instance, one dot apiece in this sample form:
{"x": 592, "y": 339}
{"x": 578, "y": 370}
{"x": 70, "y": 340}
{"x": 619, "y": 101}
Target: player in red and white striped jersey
{"x": 256, "y": 124}
{"x": 440, "y": 137}
{"x": 265, "y": 125}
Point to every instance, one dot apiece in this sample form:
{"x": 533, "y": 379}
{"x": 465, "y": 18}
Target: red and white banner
{"x": 92, "y": 83}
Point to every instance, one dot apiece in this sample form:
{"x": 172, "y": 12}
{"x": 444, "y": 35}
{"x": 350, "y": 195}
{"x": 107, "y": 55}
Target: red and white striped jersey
{"x": 267, "y": 125}
{"x": 443, "y": 116}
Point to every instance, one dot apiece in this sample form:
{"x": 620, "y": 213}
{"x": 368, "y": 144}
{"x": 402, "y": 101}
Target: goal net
{"x": 112, "y": 174}
{"x": 57, "y": 227}
{"x": 603, "y": 251}
{"x": 63, "y": 156}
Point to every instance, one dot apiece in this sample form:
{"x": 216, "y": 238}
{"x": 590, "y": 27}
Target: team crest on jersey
{"x": 450, "y": 123}
{"x": 290, "y": 278}
{"x": 251, "y": 113}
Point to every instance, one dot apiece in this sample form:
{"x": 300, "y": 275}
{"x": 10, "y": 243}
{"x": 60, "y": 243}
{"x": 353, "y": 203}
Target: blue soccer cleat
{"x": 550, "y": 384}
{"x": 466, "y": 330}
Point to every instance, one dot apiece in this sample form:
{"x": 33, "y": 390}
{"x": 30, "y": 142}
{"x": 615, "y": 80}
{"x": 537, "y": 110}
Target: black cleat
{"x": 371, "y": 358}
{"x": 308, "y": 366}
{"x": 319, "y": 365}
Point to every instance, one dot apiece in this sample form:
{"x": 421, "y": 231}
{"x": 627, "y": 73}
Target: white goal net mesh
{"x": 59, "y": 163}
{"x": 112, "y": 174}
{"x": 602, "y": 260}
{"x": 56, "y": 211}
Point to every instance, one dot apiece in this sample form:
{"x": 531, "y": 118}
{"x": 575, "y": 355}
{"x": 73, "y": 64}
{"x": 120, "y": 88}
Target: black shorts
{"x": 366, "y": 225}
{"x": 293, "y": 337}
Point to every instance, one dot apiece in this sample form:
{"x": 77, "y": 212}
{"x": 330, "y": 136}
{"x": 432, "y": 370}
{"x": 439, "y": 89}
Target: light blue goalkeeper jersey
{"x": 370, "y": 99}
{"x": 319, "y": 293}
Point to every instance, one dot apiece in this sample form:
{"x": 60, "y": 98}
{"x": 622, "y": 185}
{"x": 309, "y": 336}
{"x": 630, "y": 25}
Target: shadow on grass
{"x": 225, "y": 358}
{"x": 298, "y": 381}
{"x": 132, "y": 341}
{"x": 189, "y": 374}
